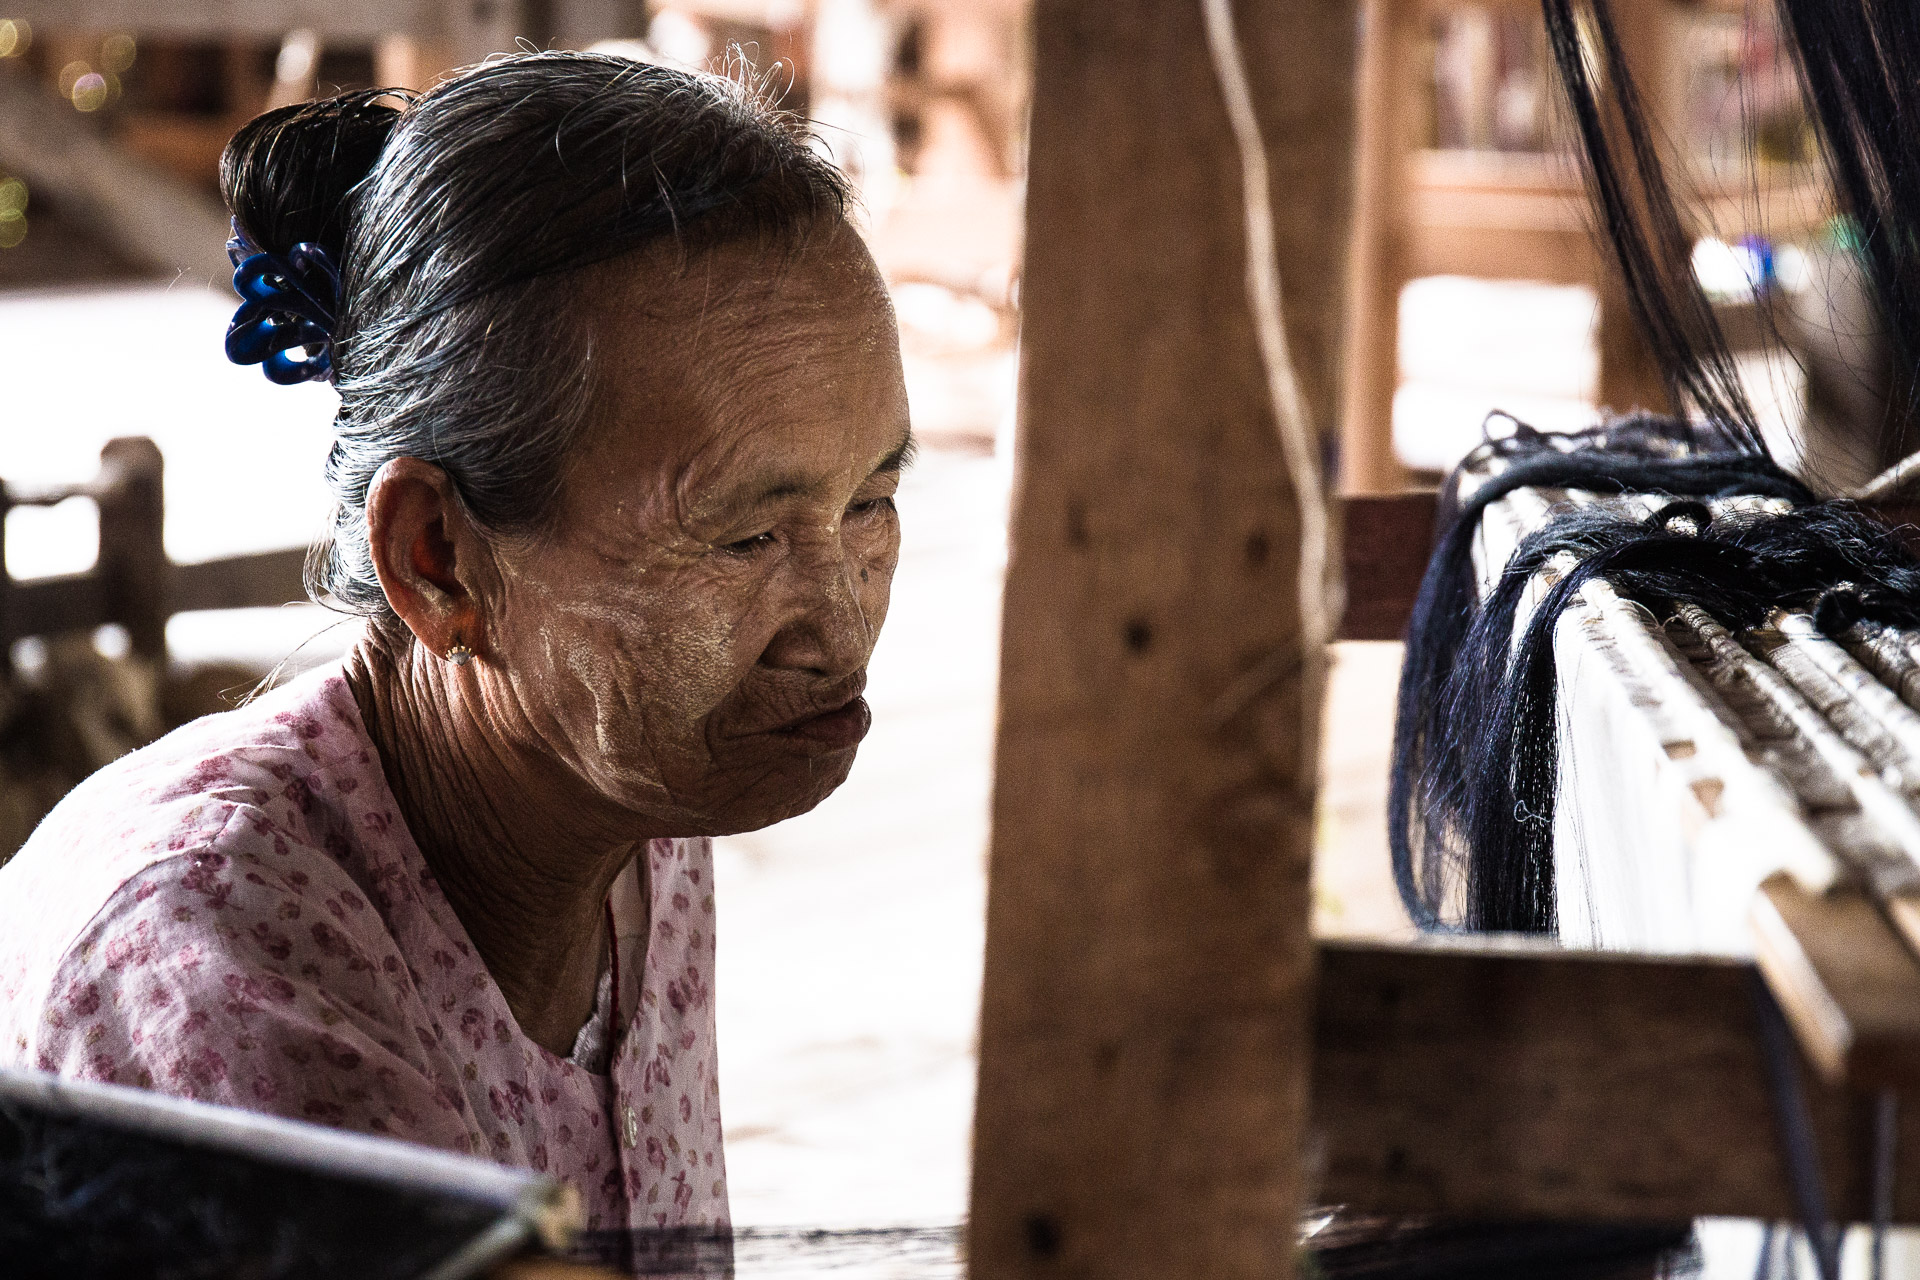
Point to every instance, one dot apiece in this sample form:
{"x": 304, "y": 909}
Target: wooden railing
{"x": 132, "y": 582}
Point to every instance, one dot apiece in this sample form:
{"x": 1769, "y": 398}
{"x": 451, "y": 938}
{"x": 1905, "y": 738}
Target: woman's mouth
{"x": 835, "y": 730}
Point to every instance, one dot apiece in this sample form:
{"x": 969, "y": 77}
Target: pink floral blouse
{"x": 237, "y": 914}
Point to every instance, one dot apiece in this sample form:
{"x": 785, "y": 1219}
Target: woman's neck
{"x": 524, "y": 855}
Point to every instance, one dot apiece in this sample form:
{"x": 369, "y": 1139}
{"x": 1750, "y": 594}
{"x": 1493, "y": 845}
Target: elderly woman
{"x": 621, "y": 421}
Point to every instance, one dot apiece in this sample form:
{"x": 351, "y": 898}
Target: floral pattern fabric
{"x": 237, "y": 914}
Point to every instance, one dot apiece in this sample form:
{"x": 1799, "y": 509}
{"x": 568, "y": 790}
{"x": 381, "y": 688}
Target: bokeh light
{"x": 15, "y": 35}
{"x": 13, "y": 212}
{"x": 117, "y": 53}
{"x": 90, "y": 92}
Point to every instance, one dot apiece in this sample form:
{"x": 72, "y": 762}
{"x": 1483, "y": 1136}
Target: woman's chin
{"x": 797, "y": 788}
{"x": 778, "y": 786}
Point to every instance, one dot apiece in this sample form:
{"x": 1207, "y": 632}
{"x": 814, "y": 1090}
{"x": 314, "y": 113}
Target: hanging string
{"x": 1886, "y": 1113}
{"x": 1891, "y": 483}
{"x": 1798, "y": 1145}
{"x": 1297, "y": 437}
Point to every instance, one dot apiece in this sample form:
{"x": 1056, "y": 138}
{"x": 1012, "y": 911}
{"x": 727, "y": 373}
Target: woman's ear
{"x": 427, "y": 553}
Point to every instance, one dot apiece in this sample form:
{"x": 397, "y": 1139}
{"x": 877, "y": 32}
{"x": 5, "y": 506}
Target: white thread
{"x": 1283, "y": 385}
{"x": 1890, "y": 483}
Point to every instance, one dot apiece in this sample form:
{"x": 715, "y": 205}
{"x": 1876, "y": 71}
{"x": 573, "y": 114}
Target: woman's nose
{"x": 829, "y": 630}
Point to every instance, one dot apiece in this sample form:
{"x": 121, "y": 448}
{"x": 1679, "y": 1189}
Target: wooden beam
{"x": 1513, "y": 1079}
{"x": 1144, "y": 1024}
{"x": 1378, "y": 265}
{"x": 220, "y": 19}
{"x": 239, "y": 582}
{"x": 79, "y": 601}
{"x": 1386, "y": 540}
{"x": 1849, "y": 985}
{"x": 474, "y": 27}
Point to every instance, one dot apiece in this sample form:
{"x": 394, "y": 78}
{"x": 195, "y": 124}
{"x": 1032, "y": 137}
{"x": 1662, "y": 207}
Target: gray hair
{"x": 462, "y": 220}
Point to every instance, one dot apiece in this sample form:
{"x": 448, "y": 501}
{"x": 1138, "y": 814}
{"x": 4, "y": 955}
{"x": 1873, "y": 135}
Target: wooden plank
{"x": 1143, "y": 1048}
{"x": 489, "y": 26}
{"x": 1386, "y": 540}
{"x": 219, "y": 19}
{"x": 48, "y": 606}
{"x": 1505, "y": 1079}
{"x": 1848, "y": 984}
{"x": 1378, "y": 267}
{"x": 79, "y": 602}
{"x": 240, "y": 582}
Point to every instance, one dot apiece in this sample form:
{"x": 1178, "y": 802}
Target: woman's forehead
{"x": 780, "y": 384}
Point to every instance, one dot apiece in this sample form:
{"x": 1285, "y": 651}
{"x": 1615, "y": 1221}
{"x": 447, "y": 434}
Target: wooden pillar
{"x": 1145, "y": 1037}
{"x": 133, "y": 562}
{"x": 1629, "y": 374}
{"x": 1382, "y": 219}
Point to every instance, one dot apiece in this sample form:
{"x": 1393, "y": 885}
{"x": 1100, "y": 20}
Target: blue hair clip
{"x": 286, "y": 316}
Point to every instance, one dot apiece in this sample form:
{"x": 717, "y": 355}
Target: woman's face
{"x": 693, "y": 638}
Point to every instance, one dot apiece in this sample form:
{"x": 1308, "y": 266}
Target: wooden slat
{"x": 78, "y": 602}
{"x": 1503, "y": 1080}
{"x": 48, "y": 606}
{"x": 488, "y": 26}
{"x": 219, "y": 19}
{"x": 1385, "y": 124}
{"x": 1386, "y": 540}
{"x": 1143, "y": 1044}
{"x": 240, "y": 582}
{"x": 1849, "y": 985}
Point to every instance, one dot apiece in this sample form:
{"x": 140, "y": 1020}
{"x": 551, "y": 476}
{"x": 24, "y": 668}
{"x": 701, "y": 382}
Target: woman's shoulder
{"x": 264, "y": 783}
{"x": 277, "y": 756}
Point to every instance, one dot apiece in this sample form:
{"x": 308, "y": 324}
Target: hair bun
{"x": 288, "y": 176}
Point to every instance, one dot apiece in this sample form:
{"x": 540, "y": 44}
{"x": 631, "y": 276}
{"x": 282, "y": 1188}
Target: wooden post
{"x": 1145, "y": 1030}
{"x": 133, "y": 555}
{"x": 1630, "y": 375}
{"x": 1378, "y": 268}
{"x": 8, "y": 605}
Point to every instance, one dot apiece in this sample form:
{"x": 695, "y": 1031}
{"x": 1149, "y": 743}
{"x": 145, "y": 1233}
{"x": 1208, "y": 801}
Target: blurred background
{"x": 850, "y": 966}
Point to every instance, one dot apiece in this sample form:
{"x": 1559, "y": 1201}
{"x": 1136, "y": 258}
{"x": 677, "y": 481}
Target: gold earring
{"x": 459, "y": 655}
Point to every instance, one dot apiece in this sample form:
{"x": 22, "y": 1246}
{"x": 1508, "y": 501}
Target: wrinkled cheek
{"x": 653, "y": 706}
{"x": 874, "y": 582}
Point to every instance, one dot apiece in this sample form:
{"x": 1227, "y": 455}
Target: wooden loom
{"x": 1170, "y": 1067}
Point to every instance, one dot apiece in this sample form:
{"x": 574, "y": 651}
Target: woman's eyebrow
{"x": 792, "y": 486}
{"x": 902, "y": 456}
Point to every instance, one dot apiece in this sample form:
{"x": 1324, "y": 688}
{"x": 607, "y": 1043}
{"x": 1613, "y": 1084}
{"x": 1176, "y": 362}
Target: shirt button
{"x": 632, "y": 1127}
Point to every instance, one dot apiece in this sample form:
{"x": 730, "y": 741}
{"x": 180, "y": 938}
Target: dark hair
{"x": 459, "y": 219}
{"x": 1859, "y": 69}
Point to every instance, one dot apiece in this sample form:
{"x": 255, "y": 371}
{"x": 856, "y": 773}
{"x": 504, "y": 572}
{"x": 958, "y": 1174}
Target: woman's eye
{"x": 745, "y": 546}
{"x": 870, "y": 506}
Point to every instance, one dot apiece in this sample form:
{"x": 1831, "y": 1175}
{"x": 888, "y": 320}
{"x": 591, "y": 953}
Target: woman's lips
{"x": 835, "y": 730}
